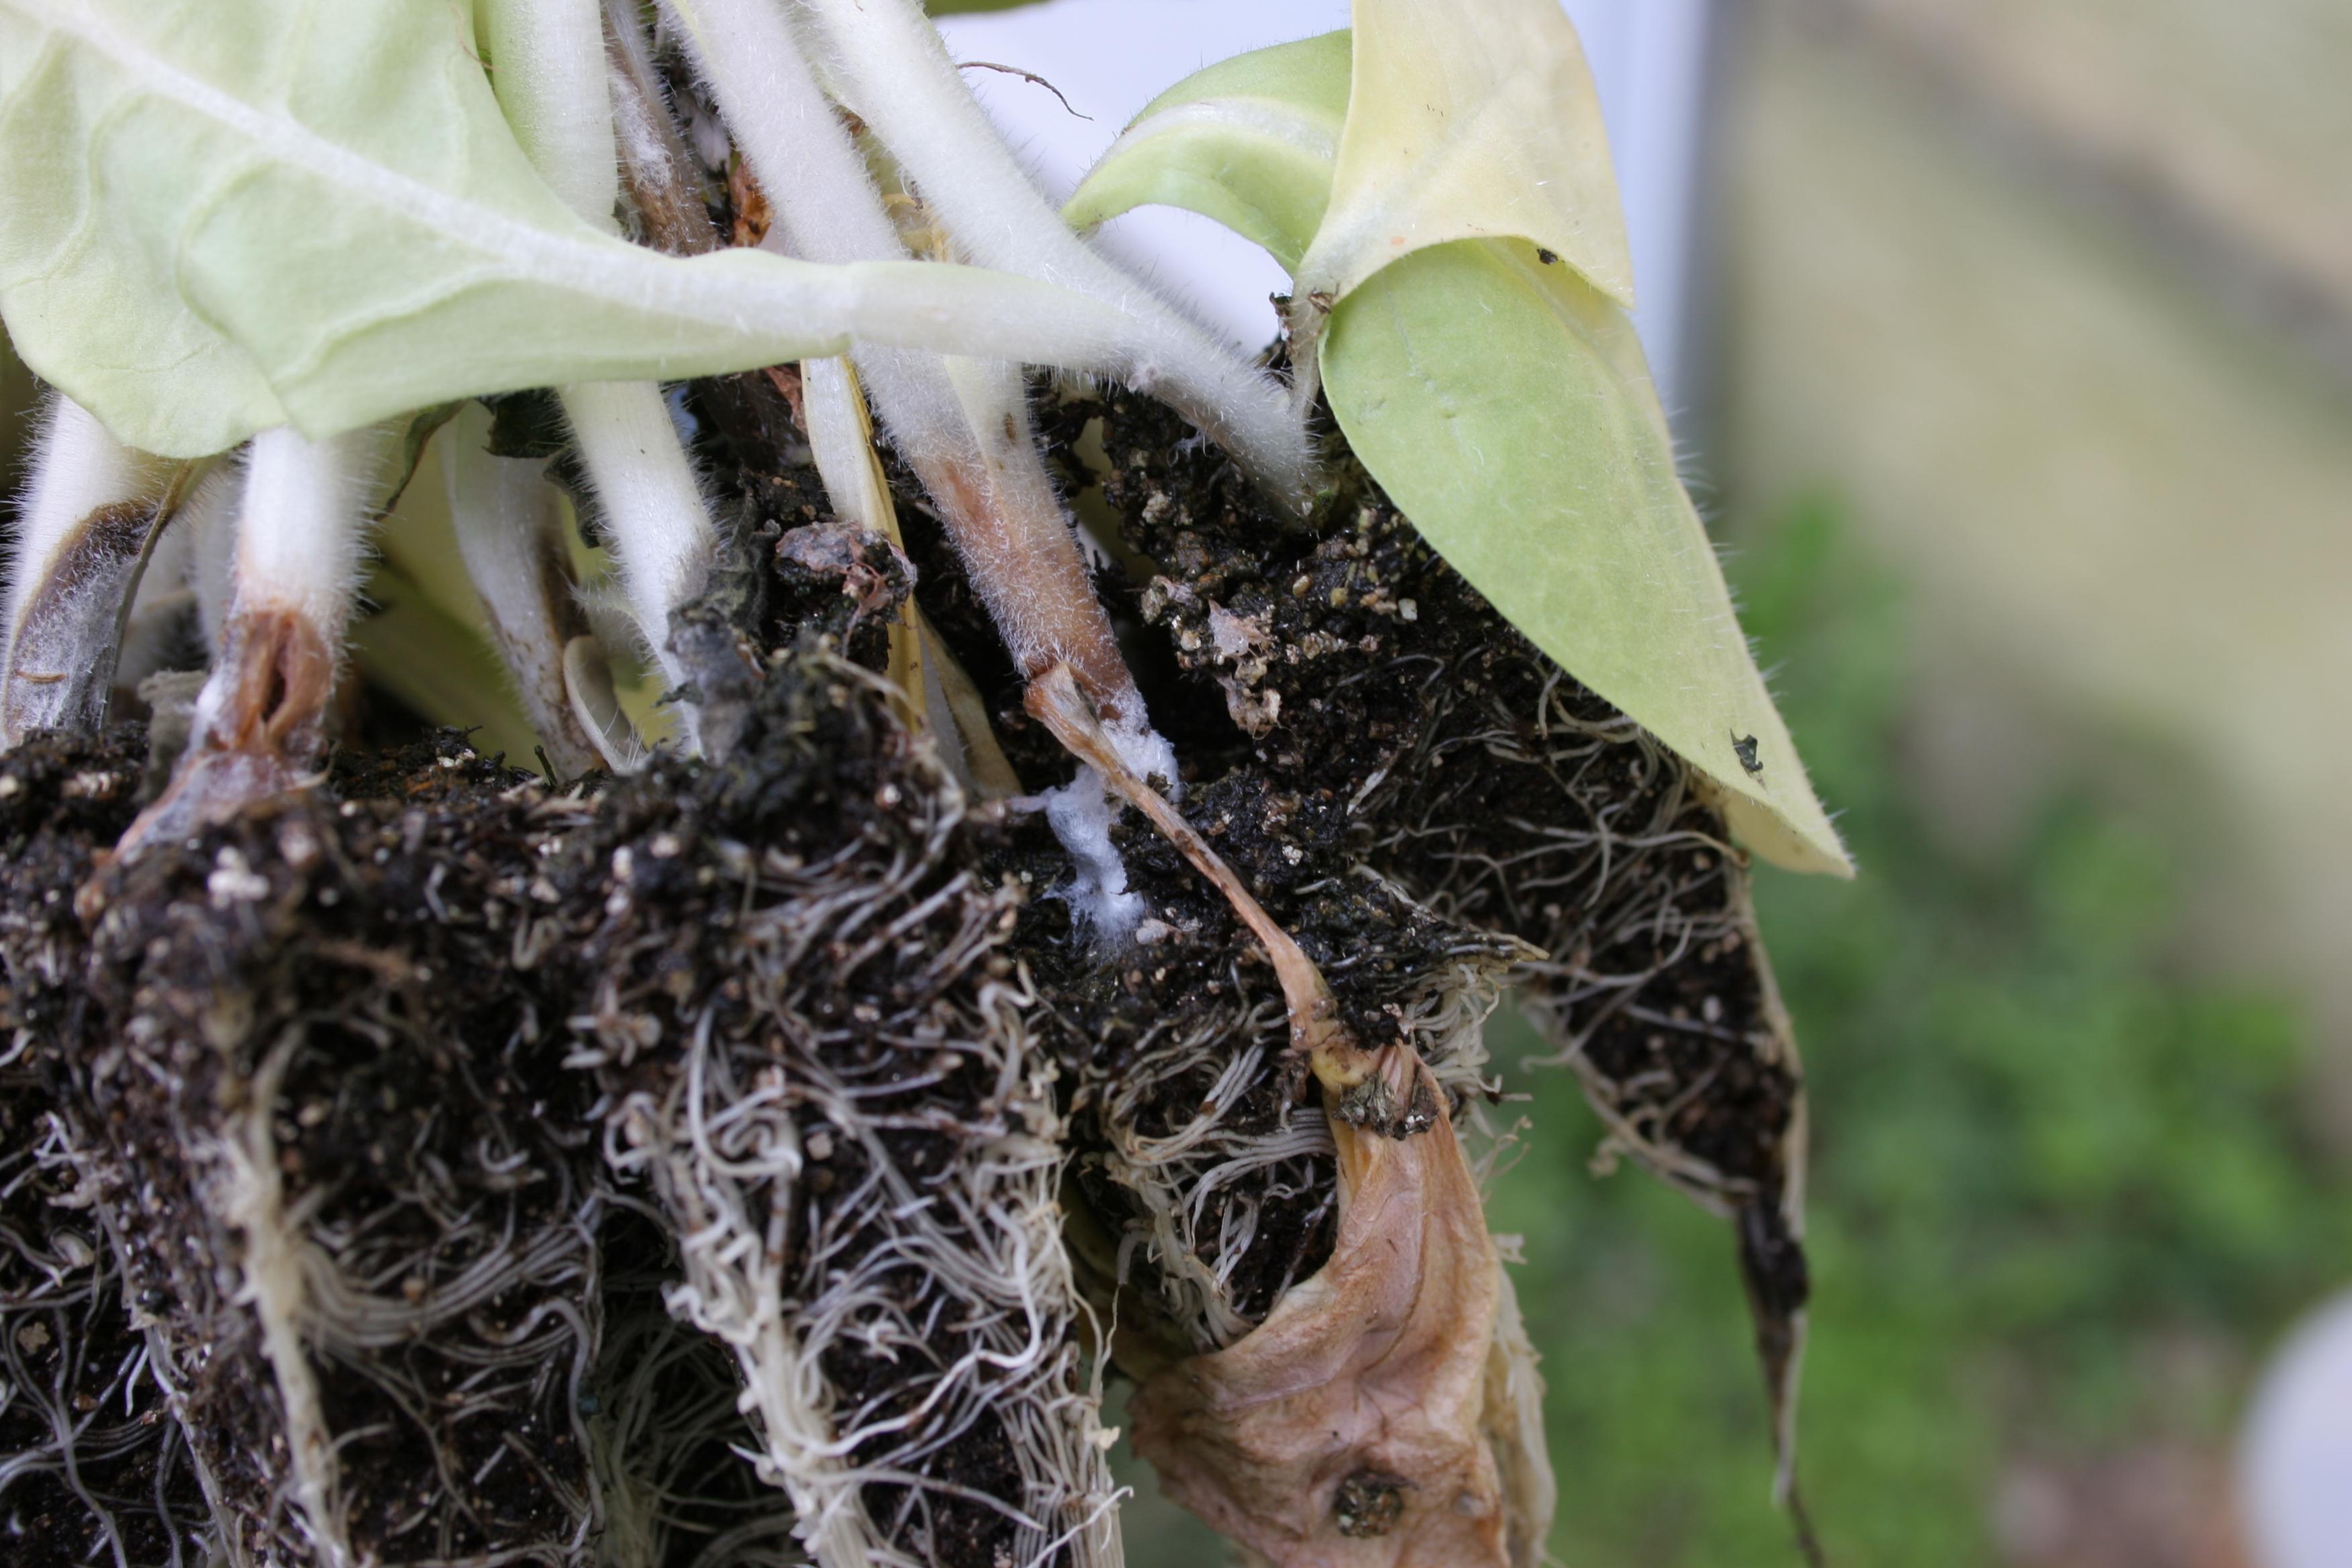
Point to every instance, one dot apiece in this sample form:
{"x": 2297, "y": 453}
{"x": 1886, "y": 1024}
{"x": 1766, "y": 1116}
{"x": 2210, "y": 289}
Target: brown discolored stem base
{"x": 259, "y": 727}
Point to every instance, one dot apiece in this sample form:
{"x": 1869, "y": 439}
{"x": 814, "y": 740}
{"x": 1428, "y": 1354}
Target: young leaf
{"x": 1505, "y": 406}
{"x": 1248, "y": 141}
{"x": 220, "y": 219}
{"x": 1464, "y": 121}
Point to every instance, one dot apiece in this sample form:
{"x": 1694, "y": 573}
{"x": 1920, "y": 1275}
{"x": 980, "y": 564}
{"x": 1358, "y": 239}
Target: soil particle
{"x": 92, "y": 1466}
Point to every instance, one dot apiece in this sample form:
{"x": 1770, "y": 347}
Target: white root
{"x": 895, "y": 74}
{"x": 248, "y": 1195}
{"x": 778, "y": 1142}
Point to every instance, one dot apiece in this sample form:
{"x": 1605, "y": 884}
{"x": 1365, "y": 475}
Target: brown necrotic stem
{"x": 961, "y": 424}
{"x": 1055, "y": 700}
{"x": 260, "y": 723}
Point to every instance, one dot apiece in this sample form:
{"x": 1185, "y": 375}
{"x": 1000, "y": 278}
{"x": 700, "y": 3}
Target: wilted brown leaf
{"x": 1346, "y": 1430}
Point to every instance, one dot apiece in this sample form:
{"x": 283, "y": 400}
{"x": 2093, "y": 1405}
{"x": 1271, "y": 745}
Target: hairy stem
{"x": 895, "y": 74}
{"x": 962, "y": 424}
{"x": 663, "y": 182}
{"x": 551, "y": 72}
{"x": 260, "y": 723}
{"x": 87, "y": 518}
{"x": 509, "y": 521}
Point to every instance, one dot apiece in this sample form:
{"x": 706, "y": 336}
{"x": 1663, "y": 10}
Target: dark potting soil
{"x": 433, "y": 1025}
{"x": 92, "y": 1466}
{"x": 315, "y": 1050}
{"x": 1382, "y": 718}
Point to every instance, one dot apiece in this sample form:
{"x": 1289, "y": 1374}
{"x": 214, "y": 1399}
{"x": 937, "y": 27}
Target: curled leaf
{"x": 1494, "y": 386}
{"x": 1504, "y": 403}
{"x": 1469, "y": 122}
{"x": 1248, "y": 141}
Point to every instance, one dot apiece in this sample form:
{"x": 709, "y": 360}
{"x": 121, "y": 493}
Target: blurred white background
{"x": 1112, "y": 56}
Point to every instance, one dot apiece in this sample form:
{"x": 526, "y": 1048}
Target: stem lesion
{"x": 261, "y": 722}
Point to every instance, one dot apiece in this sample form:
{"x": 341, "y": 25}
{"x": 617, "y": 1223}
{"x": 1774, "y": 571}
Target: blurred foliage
{"x": 2044, "y": 1162}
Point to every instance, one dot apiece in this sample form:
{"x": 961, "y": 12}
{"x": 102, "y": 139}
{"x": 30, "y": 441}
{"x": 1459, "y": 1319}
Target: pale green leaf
{"x": 1504, "y": 403}
{"x": 1467, "y": 120}
{"x": 217, "y": 216}
{"x": 1248, "y": 141}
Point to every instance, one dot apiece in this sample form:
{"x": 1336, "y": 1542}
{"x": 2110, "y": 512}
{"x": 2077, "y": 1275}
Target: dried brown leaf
{"x": 1350, "y": 1428}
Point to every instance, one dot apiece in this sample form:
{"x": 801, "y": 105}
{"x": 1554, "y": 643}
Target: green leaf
{"x": 1465, "y": 120}
{"x": 1505, "y": 404}
{"x": 1248, "y": 141}
{"x": 218, "y": 216}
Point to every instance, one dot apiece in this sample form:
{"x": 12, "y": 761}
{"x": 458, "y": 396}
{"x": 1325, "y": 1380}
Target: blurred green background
{"x": 2062, "y": 1194}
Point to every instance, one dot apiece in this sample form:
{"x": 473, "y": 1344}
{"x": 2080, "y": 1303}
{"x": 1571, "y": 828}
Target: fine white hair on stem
{"x": 259, "y": 724}
{"x": 211, "y": 525}
{"x": 663, "y": 179}
{"x": 649, "y": 498}
{"x": 83, "y": 523}
{"x": 551, "y": 73}
{"x": 548, "y": 66}
{"x": 509, "y": 520}
{"x": 962, "y": 424}
{"x": 895, "y": 73}
{"x": 303, "y": 527}
{"x": 77, "y": 469}
{"x": 162, "y": 610}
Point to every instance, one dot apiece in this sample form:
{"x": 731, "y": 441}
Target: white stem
{"x": 653, "y": 508}
{"x": 69, "y": 567}
{"x": 210, "y": 523}
{"x": 508, "y": 520}
{"x": 303, "y": 527}
{"x": 825, "y": 209}
{"x": 962, "y": 424}
{"x": 842, "y": 445}
{"x": 547, "y": 65}
{"x": 895, "y": 73}
{"x": 77, "y": 468}
{"x": 661, "y": 173}
{"x": 259, "y": 727}
{"x": 552, "y": 79}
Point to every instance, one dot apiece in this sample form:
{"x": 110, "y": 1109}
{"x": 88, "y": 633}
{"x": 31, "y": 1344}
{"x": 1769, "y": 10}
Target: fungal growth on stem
{"x": 767, "y": 1131}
